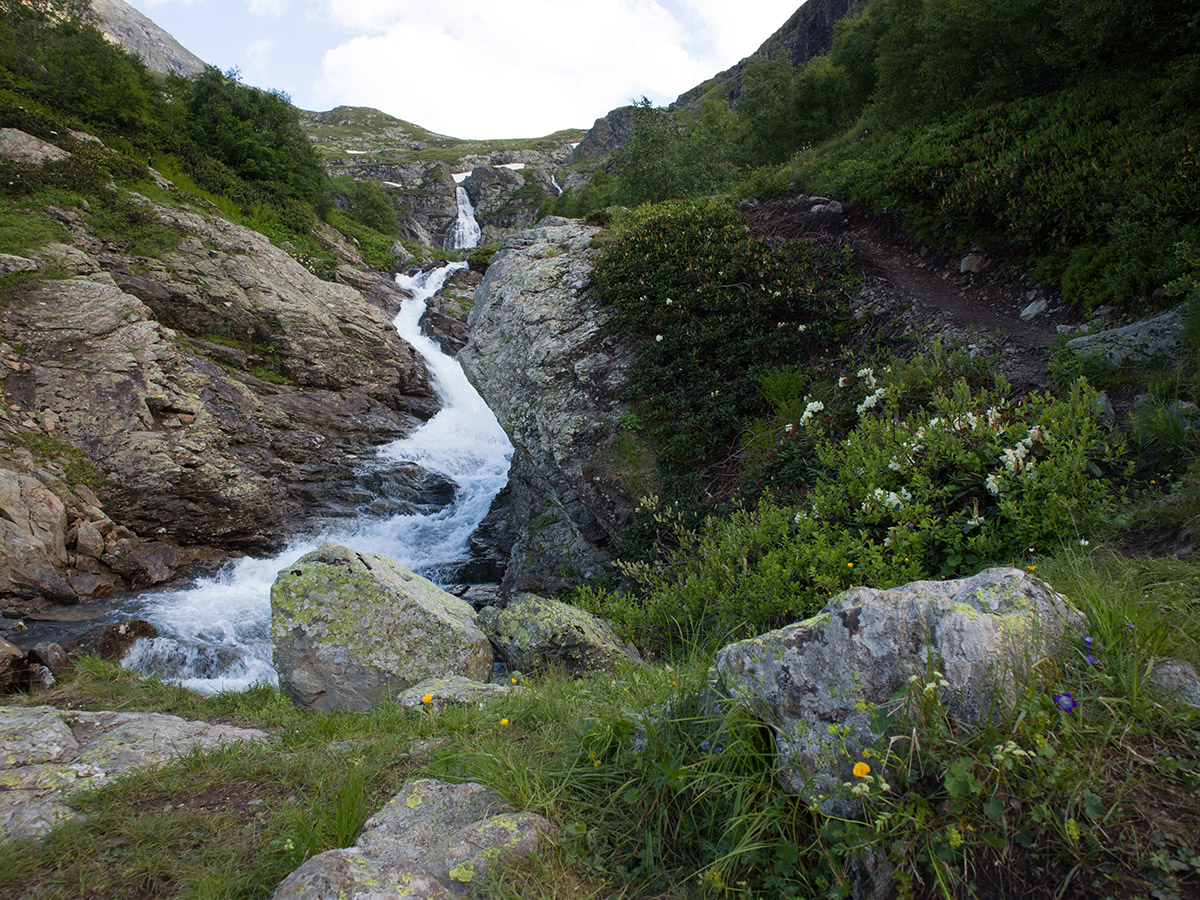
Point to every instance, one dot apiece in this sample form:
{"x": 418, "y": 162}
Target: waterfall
{"x": 557, "y": 186}
{"x": 216, "y": 634}
{"x": 466, "y": 231}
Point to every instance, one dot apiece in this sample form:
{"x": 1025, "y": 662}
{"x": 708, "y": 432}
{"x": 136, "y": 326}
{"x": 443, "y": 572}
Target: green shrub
{"x": 710, "y": 307}
{"x": 899, "y": 473}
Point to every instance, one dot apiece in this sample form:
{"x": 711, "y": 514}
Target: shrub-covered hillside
{"x": 237, "y": 150}
{"x": 1067, "y": 129}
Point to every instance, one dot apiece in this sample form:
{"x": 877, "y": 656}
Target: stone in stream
{"x": 351, "y": 628}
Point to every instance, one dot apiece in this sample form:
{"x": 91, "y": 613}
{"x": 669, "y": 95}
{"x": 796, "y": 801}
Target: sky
{"x": 474, "y": 68}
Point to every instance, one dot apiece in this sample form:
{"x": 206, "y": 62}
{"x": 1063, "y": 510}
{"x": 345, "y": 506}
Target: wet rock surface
{"x": 543, "y": 360}
{"x": 432, "y": 839}
{"x": 48, "y": 754}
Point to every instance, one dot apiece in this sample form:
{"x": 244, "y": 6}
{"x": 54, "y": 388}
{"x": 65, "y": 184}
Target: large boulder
{"x": 17, "y": 146}
{"x": 542, "y": 358}
{"x": 821, "y": 682}
{"x": 433, "y": 839}
{"x": 534, "y": 633}
{"x": 350, "y": 628}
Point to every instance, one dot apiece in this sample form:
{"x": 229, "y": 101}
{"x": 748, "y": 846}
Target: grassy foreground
{"x": 655, "y": 793}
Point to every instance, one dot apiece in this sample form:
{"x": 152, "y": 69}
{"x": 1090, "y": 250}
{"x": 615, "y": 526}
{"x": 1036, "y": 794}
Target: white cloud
{"x": 528, "y": 67}
{"x": 269, "y": 7}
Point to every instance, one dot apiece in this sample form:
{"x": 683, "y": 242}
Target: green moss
{"x": 77, "y": 468}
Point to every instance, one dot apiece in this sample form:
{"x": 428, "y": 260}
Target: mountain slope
{"x": 124, "y": 25}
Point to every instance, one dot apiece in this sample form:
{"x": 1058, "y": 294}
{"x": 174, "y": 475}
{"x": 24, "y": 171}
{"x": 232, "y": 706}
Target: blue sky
{"x": 472, "y": 68}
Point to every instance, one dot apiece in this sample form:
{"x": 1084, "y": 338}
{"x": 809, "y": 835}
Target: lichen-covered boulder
{"x": 351, "y": 627}
{"x": 821, "y": 682}
{"x": 433, "y": 839}
{"x": 48, "y": 754}
{"x": 535, "y": 633}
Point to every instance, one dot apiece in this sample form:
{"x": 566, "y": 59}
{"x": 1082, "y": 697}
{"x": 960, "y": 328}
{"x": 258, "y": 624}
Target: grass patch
{"x": 77, "y": 468}
{"x": 659, "y": 788}
{"x": 26, "y": 229}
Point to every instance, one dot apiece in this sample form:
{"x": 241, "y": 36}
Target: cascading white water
{"x": 556, "y": 185}
{"x": 466, "y": 233}
{"x": 216, "y": 634}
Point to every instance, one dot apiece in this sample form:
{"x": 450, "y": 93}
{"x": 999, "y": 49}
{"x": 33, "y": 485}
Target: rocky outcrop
{"x": 215, "y": 394}
{"x": 48, "y": 754}
{"x": 1156, "y": 338}
{"x": 433, "y": 839}
{"x": 543, "y": 360}
{"x": 609, "y": 133}
{"x": 807, "y": 33}
{"x": 158, "y": 50}
{"x": 821, "y": 683}
{"x": 349, "y": 628}
{"x": 453, "y": 690}
{"x": 505, "y": 199}
{"x": 535, "y": 633}
{"x": 446, "y": 314}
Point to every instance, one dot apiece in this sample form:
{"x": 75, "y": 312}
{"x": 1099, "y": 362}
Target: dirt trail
{"x": 914, "y": 291}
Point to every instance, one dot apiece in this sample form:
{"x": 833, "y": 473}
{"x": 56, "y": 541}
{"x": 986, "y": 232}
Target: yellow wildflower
{"x": 861, "y": 770}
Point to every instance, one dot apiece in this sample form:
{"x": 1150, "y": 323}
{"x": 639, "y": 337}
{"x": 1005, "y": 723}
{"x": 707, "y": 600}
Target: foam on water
{"x": 216, "y": 634}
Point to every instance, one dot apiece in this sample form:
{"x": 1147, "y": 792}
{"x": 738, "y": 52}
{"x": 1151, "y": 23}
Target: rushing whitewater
{"x": 216, "y": 634}
{"x": 466, "y": 233}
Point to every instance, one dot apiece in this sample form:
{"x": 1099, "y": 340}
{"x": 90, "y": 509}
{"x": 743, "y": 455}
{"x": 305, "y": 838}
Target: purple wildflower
{"x": 1091, "y": 659}
{"x": 704, "y": 746}
{"x": 1089, "y": 641}
{"x": 1066, "y": 702}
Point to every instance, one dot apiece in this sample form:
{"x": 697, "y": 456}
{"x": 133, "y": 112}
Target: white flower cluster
{"x": 1017, "y": 459}
{"x": 890, "y": 499}
{"x": 813, "y": 407}
{"x": 871, "y": 400}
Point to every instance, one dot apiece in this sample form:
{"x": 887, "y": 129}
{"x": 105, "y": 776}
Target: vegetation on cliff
{"x": 227, "y": 147}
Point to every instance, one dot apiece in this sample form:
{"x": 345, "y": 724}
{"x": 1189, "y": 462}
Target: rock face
{"x": 818, "y": 682}
{"x": 160, "y": 52}
{"x": 1153, "y": 338}
{"x": 543, "y": 360}
{"x": 350, "y": 627}
{"x": 214, "y": 395}
{"x": 534, "y": 633}
{"x": 433, "y": 839}
{"x": 47, "y": 754}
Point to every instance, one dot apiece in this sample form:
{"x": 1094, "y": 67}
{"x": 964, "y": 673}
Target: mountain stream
{"x": 216, "y": 634}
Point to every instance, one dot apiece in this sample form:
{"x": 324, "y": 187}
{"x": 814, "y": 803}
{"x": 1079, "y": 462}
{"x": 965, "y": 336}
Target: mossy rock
{"x": 535, "y": 633}
{"x": 352, "y": 628}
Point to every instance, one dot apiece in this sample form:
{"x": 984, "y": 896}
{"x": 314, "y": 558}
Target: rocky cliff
{"x": 808, "y": 32}
{"x": 213, "y": 394}
{"x": 541, "y": 357}
{"x": 124, "y": 25}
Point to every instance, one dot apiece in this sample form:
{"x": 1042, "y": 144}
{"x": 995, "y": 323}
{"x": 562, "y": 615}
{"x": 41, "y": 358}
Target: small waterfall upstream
{"x": 216, "y": 634}
{"x": 466, "y": 233}
{"x": 557, "y": 186}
